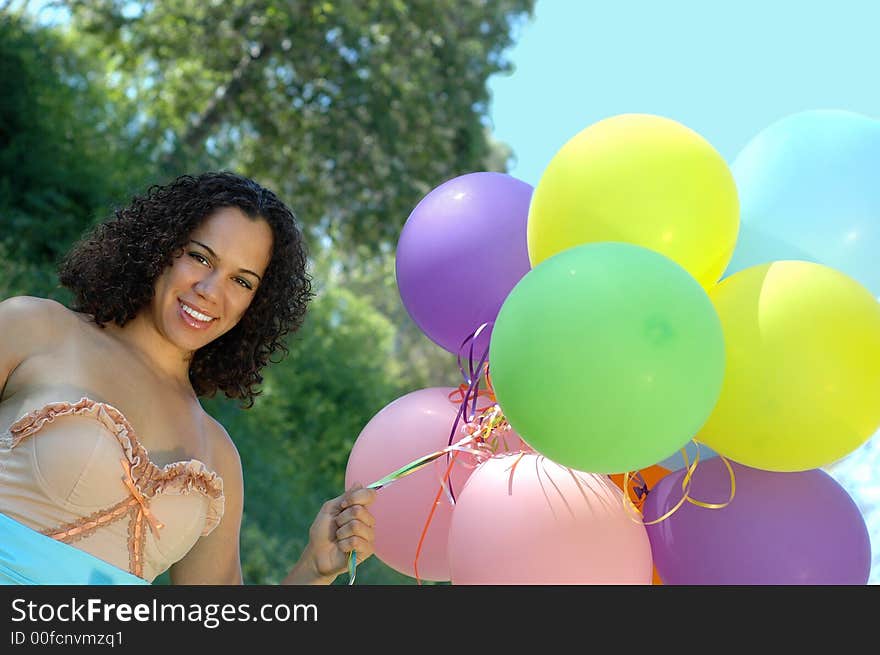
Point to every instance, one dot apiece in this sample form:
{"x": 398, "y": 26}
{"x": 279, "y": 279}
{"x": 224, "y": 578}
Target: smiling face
{"x": 210, "y": 285}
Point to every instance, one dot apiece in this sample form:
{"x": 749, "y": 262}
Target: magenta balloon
{"x": 780, "y": 528}
{"x": 461, "y": 251}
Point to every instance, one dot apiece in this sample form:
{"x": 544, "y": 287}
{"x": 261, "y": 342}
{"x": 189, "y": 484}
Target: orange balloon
{"x": 652, "y": 475}
{"x": 657, "y": 579}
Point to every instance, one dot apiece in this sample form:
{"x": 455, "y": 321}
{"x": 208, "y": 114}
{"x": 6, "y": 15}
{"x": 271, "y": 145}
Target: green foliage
{"x": 62, "y": 159}
{"x": 353, "y": 111}
{"x": 422, "y": 362}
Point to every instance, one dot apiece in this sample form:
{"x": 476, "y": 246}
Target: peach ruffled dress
{"x": 76, "y": 472}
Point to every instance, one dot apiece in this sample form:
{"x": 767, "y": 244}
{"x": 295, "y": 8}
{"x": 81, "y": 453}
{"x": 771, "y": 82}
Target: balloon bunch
{"x": 598, "y": 302}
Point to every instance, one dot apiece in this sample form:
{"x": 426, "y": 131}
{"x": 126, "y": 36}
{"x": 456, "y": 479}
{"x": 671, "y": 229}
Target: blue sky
{"x": 725, "y": 69}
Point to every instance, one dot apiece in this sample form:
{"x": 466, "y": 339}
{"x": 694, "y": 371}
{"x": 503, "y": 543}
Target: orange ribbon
{"x": 485, "y": 445}
{"x": 431, "y": 516}
{"x": 145, "y": 512}
{"x": 457, "y": 396}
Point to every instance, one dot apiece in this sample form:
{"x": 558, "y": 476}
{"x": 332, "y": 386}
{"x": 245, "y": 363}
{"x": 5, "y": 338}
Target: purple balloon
{"x": 461, "y": 251}
{"x": 779, "y": 529}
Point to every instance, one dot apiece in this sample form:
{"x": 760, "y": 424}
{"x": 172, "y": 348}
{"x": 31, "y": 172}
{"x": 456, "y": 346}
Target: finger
{"x": 336, "y": 505}
{"x": 356, "y": 512}
{"x": 355, "y": 529}
{"x": 363, "y": 547}
{"x": 333, "y": 506}
{"x": 358, "y": 496}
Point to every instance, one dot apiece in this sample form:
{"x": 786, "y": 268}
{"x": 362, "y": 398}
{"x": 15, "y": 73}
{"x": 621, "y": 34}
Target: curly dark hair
{"x": 113, "y": 269}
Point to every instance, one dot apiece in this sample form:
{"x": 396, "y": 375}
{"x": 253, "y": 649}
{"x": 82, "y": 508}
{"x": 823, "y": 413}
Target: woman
{"x": 110, "y": 469}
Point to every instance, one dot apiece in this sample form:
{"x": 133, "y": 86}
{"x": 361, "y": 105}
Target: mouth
{"x": 195, "y": 318}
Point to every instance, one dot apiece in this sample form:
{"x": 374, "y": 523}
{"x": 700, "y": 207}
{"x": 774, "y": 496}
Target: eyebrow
{"x": 214, "y": 255}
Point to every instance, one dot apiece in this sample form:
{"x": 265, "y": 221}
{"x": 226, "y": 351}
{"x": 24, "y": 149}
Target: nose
{"x": 207, "y": 287}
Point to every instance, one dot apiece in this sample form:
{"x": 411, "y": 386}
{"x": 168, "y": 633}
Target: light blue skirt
{"x": 28, "y": 557}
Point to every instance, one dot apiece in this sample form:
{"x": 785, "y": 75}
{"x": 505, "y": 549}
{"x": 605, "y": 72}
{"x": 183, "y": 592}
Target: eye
{"x": 199, "y": 258}
{"x": 244, "y": 283}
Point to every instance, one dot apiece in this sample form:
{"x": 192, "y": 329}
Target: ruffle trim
{"x": 182, "y": 477}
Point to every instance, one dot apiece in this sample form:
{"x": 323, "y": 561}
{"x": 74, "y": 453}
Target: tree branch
{"x": 213, "y": 113}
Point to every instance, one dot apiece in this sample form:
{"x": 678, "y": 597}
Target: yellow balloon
{"x": 802, "y": 376}
{"x": 641, "y": 179}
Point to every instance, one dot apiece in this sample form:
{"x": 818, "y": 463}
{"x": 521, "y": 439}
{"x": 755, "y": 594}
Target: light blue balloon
{"x": 676, "y": 461}
{"x": 809, "y": 189}
{"x": 755, "y": 247}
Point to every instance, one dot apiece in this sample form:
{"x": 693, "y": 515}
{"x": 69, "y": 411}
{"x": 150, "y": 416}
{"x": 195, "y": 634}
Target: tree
{"x": 354, "y": 111}
{"x": 62, "y": 157}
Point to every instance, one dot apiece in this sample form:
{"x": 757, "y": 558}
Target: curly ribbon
{"x": 483, "y": 423}
{"x": 469, "y": 393}
{"x": 639, "y": 488}
{"x": 412, "y": 467}
{"x": 483, "y": 432}
{"x": 459, "y": 395}
{"x": 481, "y": 427}
{"x": 472, "y": 392}
{"x": 436, "y": 502}
{"x": 642, "y": 491}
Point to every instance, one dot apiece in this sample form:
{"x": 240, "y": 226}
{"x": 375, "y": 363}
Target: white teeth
{"x": 198, "y": 315}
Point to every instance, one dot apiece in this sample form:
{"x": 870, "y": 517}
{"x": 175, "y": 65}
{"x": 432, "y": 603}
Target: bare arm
{"x": 215, "y": 558}
{"x": 343, "y": 524}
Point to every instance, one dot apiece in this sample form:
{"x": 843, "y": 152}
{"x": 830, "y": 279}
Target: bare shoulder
{"x": 31, "y": 308}
{"x": 31, "y": 323}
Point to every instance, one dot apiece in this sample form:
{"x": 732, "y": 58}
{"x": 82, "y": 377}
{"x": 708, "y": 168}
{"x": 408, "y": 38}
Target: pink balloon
{"x": 410, "y": 427}
{"x": 542, "y": 523}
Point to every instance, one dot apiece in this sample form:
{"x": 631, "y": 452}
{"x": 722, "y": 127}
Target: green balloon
{"x": 607, "y": 357}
